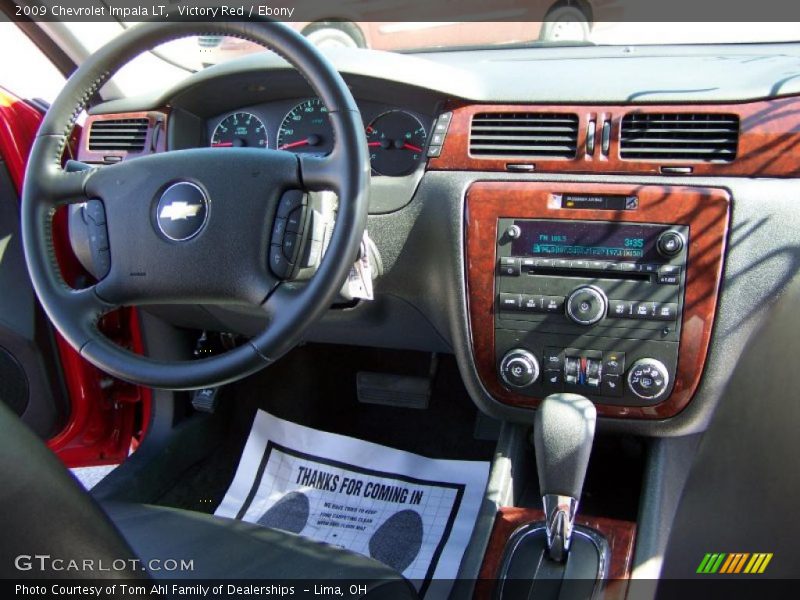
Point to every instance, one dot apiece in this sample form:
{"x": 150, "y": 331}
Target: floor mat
{"x": 412, "y": 513}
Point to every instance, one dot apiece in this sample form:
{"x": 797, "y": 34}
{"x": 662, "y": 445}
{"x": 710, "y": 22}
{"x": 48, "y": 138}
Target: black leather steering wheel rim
{"x": 290, "y": 308}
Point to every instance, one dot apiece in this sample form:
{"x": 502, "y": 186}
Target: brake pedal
{"x": 403, "y": 391}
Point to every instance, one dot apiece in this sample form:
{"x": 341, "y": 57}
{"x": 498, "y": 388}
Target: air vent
{"x": 694, "y": 137}
{"x": 530, "y": 135}
{"x": 118, "y": 134}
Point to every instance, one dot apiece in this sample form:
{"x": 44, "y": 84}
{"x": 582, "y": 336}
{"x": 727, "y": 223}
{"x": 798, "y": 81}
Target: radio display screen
{"x": 588, "y": 239}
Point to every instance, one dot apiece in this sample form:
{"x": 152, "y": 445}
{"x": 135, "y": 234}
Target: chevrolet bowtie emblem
{"x": 179, "y": 210}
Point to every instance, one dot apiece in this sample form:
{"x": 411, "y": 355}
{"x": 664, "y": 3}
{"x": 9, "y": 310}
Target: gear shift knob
{"x": 563, "y": 432}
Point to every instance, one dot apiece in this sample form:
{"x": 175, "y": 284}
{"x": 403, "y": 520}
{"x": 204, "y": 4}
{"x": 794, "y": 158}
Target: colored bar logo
{"x": 734, "y": 563}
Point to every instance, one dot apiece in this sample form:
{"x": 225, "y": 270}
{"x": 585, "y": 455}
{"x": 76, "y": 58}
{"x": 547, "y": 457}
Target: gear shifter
{"x": 563, "y": 432}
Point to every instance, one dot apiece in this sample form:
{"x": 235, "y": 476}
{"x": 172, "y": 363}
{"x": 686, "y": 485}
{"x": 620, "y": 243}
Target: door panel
{"x": 88, "y": 417}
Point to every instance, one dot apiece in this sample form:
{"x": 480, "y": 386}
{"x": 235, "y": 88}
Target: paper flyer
{"x": 412, "y": 513}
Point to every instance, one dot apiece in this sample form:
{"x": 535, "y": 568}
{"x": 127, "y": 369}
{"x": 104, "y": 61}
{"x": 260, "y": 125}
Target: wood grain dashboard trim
{"x": 621, "y": 536}
{"x": 769, "y": 141}
{"x": 155, "y": 140}
{"x": 704, "y": 210}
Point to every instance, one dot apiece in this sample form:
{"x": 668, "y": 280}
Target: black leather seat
{"x": 45, "y": 511}
{"x": 224, "y": 548}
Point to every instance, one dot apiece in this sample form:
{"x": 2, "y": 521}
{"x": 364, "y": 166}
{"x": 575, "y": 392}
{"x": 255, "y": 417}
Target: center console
{"x": 604, "y": 290}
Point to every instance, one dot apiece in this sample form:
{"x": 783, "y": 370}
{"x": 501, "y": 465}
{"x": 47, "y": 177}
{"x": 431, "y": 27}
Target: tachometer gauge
{"x": 240, "y": 130}
{"x": 306, "y": 129}
{"x": 396, "y": 140}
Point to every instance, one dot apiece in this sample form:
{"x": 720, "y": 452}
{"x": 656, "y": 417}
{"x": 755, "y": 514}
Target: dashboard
{"x": 594, "y": 171}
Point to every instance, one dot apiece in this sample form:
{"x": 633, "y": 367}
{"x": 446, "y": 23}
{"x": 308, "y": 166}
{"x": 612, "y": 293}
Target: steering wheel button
{"x": 291, "y": 200}
{"x": 94, "y": 211}
{"x": 278, "y": 229}
{"x": 277, "y": 262}
{"x": 290, "y": 241}
{"x": 295, "y": 220}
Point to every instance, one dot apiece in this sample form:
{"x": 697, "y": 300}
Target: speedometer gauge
{"x": 240, "y": 130}
{"x": 396, "y": 140}
{"x": 306, "y": 129}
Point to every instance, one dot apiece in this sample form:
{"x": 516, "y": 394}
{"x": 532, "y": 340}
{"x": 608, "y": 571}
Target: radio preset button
{"x": 509, "y": 301}
{"x": 509, "y": 265}
{"x": 620, "y": 309}
{"x": 599, "y": 265}
{"x": 553, "y": 304}
{"x": 531, "y": 303}
{"x": 586, "y": 305}
{"x": 544, "y": 263}
{"x": 665, "y": 311}
{"x": 527, "y": 264}
{"x": 669, "y": 275}
{"x": 560, "y": 263}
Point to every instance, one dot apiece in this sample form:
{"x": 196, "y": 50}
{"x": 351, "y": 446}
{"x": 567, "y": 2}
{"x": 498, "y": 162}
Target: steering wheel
{"x": 225, "y": 257}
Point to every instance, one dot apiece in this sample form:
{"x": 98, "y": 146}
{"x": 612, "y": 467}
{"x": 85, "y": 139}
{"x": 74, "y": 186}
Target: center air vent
{"x": 128, "y": 135}
{"x": 530, "y": 135}
{"x": 695, "y": 137}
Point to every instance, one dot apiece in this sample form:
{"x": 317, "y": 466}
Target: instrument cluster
{"x": 397, "y": 138}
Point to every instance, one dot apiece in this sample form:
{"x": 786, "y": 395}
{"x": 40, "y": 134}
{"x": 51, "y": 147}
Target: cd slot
{"x": 622, "y": 276}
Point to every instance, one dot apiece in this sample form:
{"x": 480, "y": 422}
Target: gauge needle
{"x": 408, "y": 146}
{"x": 373, "y": 144}
{"x": 222, "y": 145}
{"x": 296, "y": 144}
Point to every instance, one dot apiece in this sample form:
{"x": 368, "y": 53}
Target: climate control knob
{"x": 519, "y": 368}
{"x": 586, "y": 305}
{"x": 648, "y": 378}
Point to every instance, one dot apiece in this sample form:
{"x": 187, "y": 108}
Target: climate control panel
{"x": 602, "y": 375}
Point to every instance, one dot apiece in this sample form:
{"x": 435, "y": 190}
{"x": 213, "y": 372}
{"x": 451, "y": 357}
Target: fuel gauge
{"x": 396, "y": 141}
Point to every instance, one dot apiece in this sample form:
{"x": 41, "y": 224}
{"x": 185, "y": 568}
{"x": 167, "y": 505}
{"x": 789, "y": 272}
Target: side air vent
{"x": 128, "y": 135}
{"x": 529, "y": 135}
{"x": 695, "y": 137}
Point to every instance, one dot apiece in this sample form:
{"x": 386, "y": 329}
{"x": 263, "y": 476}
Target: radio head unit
{"x": 592, "y": 307}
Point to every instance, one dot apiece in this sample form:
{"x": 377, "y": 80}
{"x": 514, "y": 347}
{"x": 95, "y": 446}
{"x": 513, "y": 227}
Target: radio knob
{"x": 519, "y": 368}
{"x": 648, "y": 378}
{"x": 514, "y": 232}
{"x": 586, "y": 305}
{"x": 670, "y": 243}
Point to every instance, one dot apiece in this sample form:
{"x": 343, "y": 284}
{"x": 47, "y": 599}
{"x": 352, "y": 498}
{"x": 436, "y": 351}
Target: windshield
{"x": 567, "y": 25}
